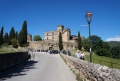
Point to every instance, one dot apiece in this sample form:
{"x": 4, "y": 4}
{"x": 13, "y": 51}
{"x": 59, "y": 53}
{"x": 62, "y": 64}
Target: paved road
{"x": 45, "y": 67}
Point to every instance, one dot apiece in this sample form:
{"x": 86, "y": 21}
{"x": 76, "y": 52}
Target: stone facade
{"x": 51, "y": 39}
{"x": 54, "y": 35}
{"x": 29, "y": 37}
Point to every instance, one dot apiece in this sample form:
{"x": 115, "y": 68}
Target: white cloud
{"x": 117, "y": 38}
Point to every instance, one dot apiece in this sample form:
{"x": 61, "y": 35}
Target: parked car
{"x": 54, "y": 52}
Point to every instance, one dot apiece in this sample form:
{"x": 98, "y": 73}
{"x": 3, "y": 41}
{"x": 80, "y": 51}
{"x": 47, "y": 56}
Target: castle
{"x": 51, "y": 39}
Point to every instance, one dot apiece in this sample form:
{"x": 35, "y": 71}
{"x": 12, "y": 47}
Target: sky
{"x": 46, "y": 15}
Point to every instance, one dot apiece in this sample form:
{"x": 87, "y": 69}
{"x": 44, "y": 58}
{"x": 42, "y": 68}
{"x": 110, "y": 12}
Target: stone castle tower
{"x": 29, "y": 37}
{"x": 60, "y": 28}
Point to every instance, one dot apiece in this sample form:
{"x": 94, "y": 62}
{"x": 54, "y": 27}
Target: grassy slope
{"x": 101, "y": 60}
{"x": 3, "y": 51}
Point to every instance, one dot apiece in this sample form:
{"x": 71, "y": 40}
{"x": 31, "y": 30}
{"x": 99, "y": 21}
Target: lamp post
{"x": 88, "y": 17}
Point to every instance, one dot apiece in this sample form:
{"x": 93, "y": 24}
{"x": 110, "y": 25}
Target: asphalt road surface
{"x": 44, "y": 67}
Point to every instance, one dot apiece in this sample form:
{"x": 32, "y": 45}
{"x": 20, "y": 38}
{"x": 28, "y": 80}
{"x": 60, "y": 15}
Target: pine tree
{"x": 79, "y": 41}
{"x": 60, "y": 41}
{"x": 24, "y": 32}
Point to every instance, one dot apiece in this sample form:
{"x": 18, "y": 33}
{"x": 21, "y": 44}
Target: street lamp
{"x": 88, "y": 17}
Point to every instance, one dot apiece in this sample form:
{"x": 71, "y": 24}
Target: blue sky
{"x": 46, "y": 15}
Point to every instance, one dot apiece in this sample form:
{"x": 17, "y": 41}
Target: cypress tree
{"x": 11, "y": 35}
{"x": 79, "y": 41}
{"x": 6, "y": 38}
{"x": 0, "y": 39}
{"x": 60, "y": 41}
{"x": 20, "y": 39}
{"x": 16, "y": 35}
{"x": 2, "y": 31}
{"x": 2, "y": 35}
{"x": 24, "y": 32}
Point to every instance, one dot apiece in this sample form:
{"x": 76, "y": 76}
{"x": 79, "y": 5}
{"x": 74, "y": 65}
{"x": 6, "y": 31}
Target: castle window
{"x": 52, "y": 33}
{"x": 47, "y": 38}
{"x": 47, "y": 34}
{"x": 52, "y": 37}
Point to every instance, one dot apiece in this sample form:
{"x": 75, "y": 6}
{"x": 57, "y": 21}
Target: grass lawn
{"x": 3, "y": 51}
{"x": 107, "y": 61}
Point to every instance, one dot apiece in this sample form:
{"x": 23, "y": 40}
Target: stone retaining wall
{"x": 11, "y": 59}
{"x": 90, "y": 71}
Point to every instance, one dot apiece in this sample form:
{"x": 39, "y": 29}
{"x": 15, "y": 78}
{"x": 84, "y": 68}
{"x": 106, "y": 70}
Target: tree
{"x": 24, "y": 32}
{"x": 115, "y": 52}
{"x": 14, "y": 43}
{"x": 6, "y": 38}
{"x": 85, "y": 44}
{"x": 37, "y": 38}
{"x": 23, "y": 35}
{"x": 16, "y": 35}
{"x": 99, "y": 47}
{"x": 0, "y": 39}
{"x": 103, "y": 49}
{"x": 96, "y": 41}
{"x": 1, "y": 36}
{"x": 20, "y": 39}
{"x": 79, "y": 41}
{"x": 11, "y": 35}
{"x": 2, "y": 29}
{"x": 60, "y": 41}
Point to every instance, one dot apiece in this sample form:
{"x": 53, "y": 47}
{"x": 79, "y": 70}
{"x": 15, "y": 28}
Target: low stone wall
{"x": 90, "y": 71}
{"x": 11, "y": 59}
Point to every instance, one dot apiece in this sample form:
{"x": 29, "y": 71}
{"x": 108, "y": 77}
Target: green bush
{"x": 115, "y": 52}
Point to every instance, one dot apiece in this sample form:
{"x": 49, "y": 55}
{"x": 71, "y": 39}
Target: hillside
{"x": 114, "y": 43}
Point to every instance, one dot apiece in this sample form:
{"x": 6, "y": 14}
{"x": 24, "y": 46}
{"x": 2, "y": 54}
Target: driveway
{"x": 44, "y": 67}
